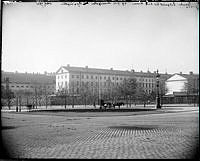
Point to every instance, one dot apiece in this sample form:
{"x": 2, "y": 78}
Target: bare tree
{"x": 128, "y": 89}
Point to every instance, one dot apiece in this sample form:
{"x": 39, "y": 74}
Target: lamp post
{"x": 158, "y": 106}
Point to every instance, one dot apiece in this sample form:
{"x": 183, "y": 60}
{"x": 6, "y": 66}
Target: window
{"x": 12, "y": 86}
{"x": 117, "y": 78}
{"x": 87, "y": 77}
{"x": 26, "y": 86}
{"x": 72, "y": 76}
{"x": 100, "y": 77}
{"x": 96, "y": 77}
{"x": 61, "y": 77}
{"x": 82, "y": 76}
{"x": 17, "y": 86}
{"x": 113, "y": 78}
{"x": 22, "y": 86}
{"x": 77, "y": 76}
{"x": 91, "y": 76}
{"x": 104, "y": 78}
{"x": 120, "y": 78}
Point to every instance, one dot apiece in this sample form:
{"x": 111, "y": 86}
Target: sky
{"x": 139, "y": 37}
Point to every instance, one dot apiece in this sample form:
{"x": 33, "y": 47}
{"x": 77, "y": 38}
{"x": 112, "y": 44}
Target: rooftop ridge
{"x": 113, "y": 70}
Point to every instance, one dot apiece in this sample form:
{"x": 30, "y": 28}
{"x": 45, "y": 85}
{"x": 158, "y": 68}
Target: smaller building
{"x": 182, "y": 88}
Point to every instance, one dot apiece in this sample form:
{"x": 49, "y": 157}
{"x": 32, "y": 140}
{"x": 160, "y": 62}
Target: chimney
{"x": 180, "y": 72}
{"x": 68, "y": 65}
{"x": 141, "y": 71}
{"x": 133, "y": 70}
{"x": 191, "y": 73}
{"x": 86, "y": 66}
{"x": 111, "y": 68}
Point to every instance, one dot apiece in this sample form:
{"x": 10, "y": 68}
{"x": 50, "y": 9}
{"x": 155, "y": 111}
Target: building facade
{"x": 74, "y": 79}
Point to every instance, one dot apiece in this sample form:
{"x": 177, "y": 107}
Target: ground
{"x": 172, "y": 132}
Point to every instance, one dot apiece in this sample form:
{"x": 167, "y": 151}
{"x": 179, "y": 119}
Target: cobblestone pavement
{"x": 167, "y": 135}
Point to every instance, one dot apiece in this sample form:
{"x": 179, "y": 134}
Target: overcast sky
{"x": 38, "y": 39}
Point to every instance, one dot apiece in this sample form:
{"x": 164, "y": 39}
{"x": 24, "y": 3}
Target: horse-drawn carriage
{"x": 109, "y": 104}
{"x": 30, "y": 106}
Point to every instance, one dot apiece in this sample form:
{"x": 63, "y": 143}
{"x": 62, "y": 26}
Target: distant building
{"x": 73, "y": 79}
{"x": 182, "y": 88}
{"x": 29, "y": 82}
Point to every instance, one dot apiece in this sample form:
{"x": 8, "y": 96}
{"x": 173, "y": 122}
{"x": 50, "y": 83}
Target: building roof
{"x": 179, "y": 76}
{"x": 110, "y": 71}
{"x": 28, "y": 78}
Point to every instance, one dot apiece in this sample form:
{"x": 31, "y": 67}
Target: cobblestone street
{"x": 159, "y": 135}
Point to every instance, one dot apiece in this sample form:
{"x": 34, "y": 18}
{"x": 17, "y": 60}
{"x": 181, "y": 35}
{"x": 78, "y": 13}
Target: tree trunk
{"x": 130, "y": 101}
{"x": 85, "y": 101}
{"x": 16, "y": 104}
{"x": 65, "y": 102}
{"x": 20, "y": 103}
{"x": 46, "y": 100}
{"x": 126, "y": 101}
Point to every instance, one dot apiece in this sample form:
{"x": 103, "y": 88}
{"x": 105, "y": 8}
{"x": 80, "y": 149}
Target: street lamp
{"x": 158, "y": 106}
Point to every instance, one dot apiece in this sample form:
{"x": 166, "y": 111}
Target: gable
{"x": 177, "y": 77}
{"x": 62, "y": 70}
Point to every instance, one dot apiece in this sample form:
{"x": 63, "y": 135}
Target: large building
{"x": 74, "y": 79}
{"x": 29, "y": 82}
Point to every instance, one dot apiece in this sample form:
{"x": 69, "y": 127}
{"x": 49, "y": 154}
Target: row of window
{"x": 147, "y": 85}
{"x": 29, "y": 86}
{"x": 146, "y": 80}
{"x": 91, "y": 77}
{"x": 61, "y": 76}
{"x": 101, "y": 77}
{"x": 77, "y": 82}
{"x": 87, "y": 83}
